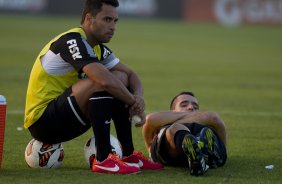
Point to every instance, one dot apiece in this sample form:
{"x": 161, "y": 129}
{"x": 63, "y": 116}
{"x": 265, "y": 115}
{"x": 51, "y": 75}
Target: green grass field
{"x": 236, "y": 72}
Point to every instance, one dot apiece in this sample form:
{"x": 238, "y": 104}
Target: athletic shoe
{"x": 139, "y": 160}
{"x": 113, "y": 165}
{"x": 195, "y": 156}
{"x": 208, "y": 142}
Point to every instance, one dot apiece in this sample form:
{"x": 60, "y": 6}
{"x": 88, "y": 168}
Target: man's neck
{"x": 92, "y": 42}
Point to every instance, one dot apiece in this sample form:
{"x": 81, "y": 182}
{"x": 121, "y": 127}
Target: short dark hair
{"x": 181, "y": 93}
{"x": 95, "y": 6}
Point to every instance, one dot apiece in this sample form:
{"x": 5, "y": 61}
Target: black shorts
{"x": 158, "y": 150}
{"x": 61, "y": 121}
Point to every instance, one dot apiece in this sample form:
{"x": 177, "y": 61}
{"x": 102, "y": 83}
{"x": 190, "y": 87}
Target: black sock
{"x": 100, "y": 112}
{"x": 123, "y": 126}
{"x": 178, "y": 139}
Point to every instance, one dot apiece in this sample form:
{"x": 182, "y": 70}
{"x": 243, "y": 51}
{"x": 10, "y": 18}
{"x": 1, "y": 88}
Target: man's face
{"x": 104, "y": 24}
{"x": 185, "y": 103}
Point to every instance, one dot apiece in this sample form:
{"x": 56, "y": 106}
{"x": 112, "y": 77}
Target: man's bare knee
{"x": 176, "y": 127}
{"x": 170, "y": 133}
{"x": 85, "y": 87}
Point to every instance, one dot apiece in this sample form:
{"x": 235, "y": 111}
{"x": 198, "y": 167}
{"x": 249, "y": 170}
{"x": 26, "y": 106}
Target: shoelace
{"x": 116, "y": 159}
{"x": 139, "y": 154}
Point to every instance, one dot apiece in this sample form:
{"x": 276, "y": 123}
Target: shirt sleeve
{"x": 74, "y": 49}
{"x": 108, "y": 59}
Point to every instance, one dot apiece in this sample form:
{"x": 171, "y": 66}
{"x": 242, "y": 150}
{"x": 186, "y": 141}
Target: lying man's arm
{"x": 155, "y": 120}
{"x": 210, "y": 119}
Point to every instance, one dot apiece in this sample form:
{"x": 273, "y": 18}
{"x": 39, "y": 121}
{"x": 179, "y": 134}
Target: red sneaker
{"x": 113, "y": 165}
{"x": 138, "y": 159}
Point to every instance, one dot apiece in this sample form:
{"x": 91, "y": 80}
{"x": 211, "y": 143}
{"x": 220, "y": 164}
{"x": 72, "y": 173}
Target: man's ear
{"x": 89, "y": 19}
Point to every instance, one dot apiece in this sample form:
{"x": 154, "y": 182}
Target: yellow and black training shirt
{"x": 58, "y": 66}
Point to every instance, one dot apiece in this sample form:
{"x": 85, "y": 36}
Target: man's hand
{"x": 137, "y": 108}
